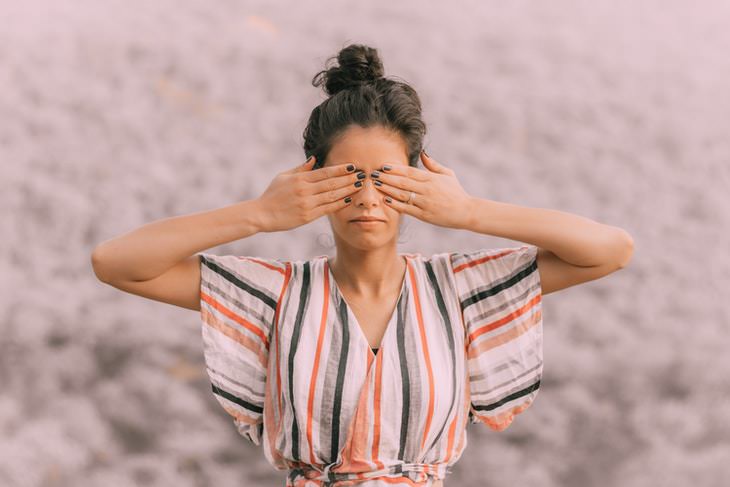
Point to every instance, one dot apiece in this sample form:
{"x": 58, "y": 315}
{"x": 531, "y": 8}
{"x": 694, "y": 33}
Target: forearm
{"x": 574, "y": 239}
{"x": 155, "y": 247}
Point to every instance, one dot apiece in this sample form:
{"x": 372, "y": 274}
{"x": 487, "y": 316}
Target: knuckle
{"x": 299, "y": 190}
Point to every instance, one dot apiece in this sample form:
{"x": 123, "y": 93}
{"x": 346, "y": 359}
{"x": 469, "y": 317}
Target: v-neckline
{"x": 351, "y": 314}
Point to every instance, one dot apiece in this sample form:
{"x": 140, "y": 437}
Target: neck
{"x": 369, "y": 273}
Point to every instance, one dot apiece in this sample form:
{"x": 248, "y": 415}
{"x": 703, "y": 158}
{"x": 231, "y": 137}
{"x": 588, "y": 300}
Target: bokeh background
{"x": 116, "y": 113}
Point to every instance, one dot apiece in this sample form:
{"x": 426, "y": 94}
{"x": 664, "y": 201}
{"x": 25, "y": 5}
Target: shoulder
{"x": 247, "y": 272}
{"x": 484, "y": 260}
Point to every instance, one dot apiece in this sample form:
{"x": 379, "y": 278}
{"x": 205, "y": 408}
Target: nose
{"x": 368, "y": 195}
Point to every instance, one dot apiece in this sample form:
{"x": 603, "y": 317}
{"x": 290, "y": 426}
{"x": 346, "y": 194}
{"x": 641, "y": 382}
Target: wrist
{"x": 255, "y": 215}
{"x": 471, "y": 213}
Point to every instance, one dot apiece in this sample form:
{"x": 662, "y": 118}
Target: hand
{"x": 300, "y": 195}
{"x": 439, "y": 197}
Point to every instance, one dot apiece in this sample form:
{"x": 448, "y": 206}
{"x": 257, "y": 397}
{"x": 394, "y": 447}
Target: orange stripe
{"x": 481, "y": 260}
{"x": 235, "y": 335}
{"x": 376, "y": 411}
{"x": 475, "y": 350}
{"x": 505, "y": 319}
{"x": 235, "y": 317}
{"x": 399, "y": 480}
{"x": 353, "y": 456}
{"x": 315, "y": 371}
{"x": 500, "y": 421}
{"x": 427, "y": 356}
{"x": 452, "y": 435}
{"x": 265, "y": 264}
{"x": 465, "y": 407}
{"x": 273, "y": 430}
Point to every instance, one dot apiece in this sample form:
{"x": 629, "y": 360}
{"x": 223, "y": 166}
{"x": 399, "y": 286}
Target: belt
{"x": 312, "y": 475}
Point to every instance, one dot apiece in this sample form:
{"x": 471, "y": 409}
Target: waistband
{"x": 416, "y": 472}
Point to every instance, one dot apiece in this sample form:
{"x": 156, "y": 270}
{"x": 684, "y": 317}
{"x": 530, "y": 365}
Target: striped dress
{"x": 288, "y": 361}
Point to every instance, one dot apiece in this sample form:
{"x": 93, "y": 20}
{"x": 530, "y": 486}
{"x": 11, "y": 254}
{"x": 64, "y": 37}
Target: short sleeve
{"x": 500, "y": 296}
{"x": 239, "y": 299}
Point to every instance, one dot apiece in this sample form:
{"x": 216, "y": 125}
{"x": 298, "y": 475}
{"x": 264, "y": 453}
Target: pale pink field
{"x": 116, "y": 114}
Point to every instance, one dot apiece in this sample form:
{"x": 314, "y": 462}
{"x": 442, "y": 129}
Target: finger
{"x": 335, "y": 183}
{"x": 340, "y": 202}
{"x": 397, "y": 193}
{"x": 329, "y": 172}
{"x": 334, "y": 194}
{"x": 303, "y": 167}
{"x": 403, "y": 182}
{"x": 401, "y": 207}
{"x": 404, "y": 170}
{"x": 432, "y": 165}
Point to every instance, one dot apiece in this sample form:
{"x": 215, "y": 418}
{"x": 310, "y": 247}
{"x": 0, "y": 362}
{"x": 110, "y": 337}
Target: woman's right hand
{"x": 300, "y": 195}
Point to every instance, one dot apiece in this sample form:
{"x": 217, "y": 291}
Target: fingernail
{"x": 358, "y": 184}
{"x": 424, "y": 151}
{"x": 388, "y": 199}
{"x": 348, "y": 199}
{"x": 361, "y": 175}
{"x": 350, "y": 167}
{"x": 375, "y": 174}
{"x": 387, "y": 168}
{"x": 378, "y": 183}
{"x": 310, "y": 158}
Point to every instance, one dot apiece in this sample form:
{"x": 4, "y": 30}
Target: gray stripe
{"x": 252, "y": 314}
{"x": 529, "y": 373}
{"x": 435, "y": 291}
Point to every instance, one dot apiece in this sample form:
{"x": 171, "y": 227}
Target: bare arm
{"x": 571, "y": 249}
{"x": 156, "y": 260}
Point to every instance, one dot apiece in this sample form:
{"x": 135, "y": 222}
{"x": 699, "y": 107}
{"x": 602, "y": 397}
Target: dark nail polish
{"x": 375, "y": 174}
{"x": 361, "y": 175}
{"x": 387, "y": 168}
{"x": 378, "y": 183}
{"x": 358, "y": 184}
{"x": 348, "y": 199}
{"x": 350, "y": 167}
{"x": 388, "y": 199}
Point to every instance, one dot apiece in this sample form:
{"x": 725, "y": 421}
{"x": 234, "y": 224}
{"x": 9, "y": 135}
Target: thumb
{"x": 431, "y": 164}
{"x": 307, "y": 166}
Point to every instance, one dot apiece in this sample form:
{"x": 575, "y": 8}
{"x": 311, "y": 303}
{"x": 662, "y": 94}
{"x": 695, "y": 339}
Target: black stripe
{"x": 341, "y": 370}
{"x": 511, "y": 397}
{"x": 405, "y": 379}
{"x": 517, "y": 277}
{"x": 237, "y": 400}
{"x": 227, "y": 275}
{"x": 452, "y": 346}
{"x": 296, "y": 333}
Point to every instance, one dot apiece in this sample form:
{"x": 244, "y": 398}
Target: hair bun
{"x": 358, "y": 64}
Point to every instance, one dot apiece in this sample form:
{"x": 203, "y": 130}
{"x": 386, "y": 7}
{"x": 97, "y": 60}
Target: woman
{"x": 365, "y": 368}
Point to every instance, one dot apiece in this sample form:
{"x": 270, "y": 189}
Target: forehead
{"x": 368, "y": 148}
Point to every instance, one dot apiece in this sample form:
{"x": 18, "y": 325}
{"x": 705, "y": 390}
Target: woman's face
{"x": 368, "y": 149}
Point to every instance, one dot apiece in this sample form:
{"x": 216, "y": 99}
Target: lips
{"x": 366, "y": 220}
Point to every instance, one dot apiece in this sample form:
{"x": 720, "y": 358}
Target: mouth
{"x": 372, "y": 220}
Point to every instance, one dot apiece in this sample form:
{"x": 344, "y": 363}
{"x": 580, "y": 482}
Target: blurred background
{"x": 115, "y": 113}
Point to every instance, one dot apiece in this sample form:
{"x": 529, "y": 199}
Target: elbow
{"x": 626, "y": 249}
{"x": 98, "y": 266}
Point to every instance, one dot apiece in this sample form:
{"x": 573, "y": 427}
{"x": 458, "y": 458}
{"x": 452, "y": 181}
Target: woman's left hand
{"x": 439, "y": 198}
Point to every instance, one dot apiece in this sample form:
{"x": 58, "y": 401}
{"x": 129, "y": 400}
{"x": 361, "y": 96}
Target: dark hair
{"x": 360, "y": 94}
